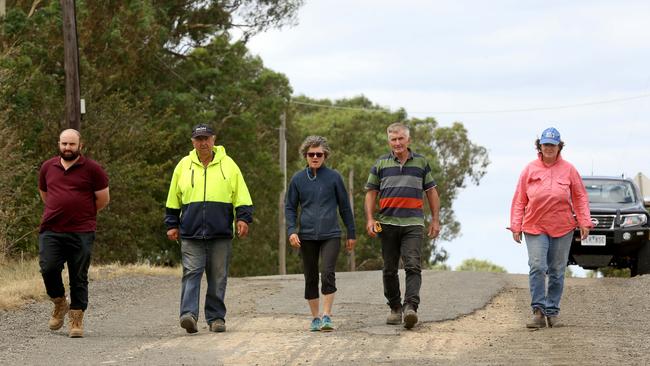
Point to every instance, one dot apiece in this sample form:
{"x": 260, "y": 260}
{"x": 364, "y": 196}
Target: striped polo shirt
{"x": 400, "y": 188}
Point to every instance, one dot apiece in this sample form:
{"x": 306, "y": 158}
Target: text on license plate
{"x": 594, "y": 240}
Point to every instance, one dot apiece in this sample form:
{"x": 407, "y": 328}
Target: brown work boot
{"x": 538, "y": 321}
{"x": 395, "y": 317}
{"x": 61, "y": 307}
{"x": 410, "y": 316}
{"x": 76, "y": 323}
{"x": 554, "y": 321}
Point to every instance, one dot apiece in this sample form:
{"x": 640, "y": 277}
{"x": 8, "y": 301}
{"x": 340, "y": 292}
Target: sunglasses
{"x": 315, "y": 154}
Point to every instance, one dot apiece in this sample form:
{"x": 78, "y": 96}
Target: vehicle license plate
{"x": 594, "y": 240}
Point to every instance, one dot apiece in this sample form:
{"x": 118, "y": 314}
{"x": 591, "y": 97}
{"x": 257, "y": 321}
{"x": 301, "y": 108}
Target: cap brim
{"x": 201, "y": 134}
{"x": 549, "y": 141}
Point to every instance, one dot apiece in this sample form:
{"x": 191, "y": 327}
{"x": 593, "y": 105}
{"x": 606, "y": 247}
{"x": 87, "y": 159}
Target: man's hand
{"x": 172, "y": 234}
{"x": 370, "y": 228}
{"x": 434, "y": 229}
{"x": 516, "y": 236}
{"x": 242, "y": 229}
{"x": 584, "y": 232}
{"x": 294, "y": 240}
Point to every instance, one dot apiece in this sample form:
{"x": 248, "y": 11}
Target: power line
{"x": 496, "y": 111}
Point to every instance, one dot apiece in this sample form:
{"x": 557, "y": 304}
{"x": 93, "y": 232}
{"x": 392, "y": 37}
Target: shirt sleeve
{"x": 291, "y": 206}
{"x": 242, "y": 198}
{"x": 519, "y": 202}
{"x": 345, "y": 209}
{"x": 100, "y": 178}
{"x": 373, "y": 178}
{"x": 580, "y": 200}
{"x": 42, "y": 182}
{"x": 173, "y": 204}
{"x": 428, "y": 182}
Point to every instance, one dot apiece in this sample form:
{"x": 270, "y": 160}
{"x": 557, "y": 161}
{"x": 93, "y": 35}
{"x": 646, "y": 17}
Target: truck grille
{"x": 604, "y": 221}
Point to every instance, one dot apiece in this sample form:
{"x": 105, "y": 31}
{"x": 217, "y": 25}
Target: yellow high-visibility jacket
{"x": 205, "y": 202}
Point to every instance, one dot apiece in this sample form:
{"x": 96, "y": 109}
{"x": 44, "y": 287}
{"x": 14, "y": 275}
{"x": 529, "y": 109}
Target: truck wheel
{"x": 643, "y": 259}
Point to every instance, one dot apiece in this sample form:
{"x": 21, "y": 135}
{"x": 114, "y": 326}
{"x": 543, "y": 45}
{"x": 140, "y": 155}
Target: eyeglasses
{"x": 315, "y": 154}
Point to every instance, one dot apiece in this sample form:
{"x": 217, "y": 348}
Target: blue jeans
{"x": 547, "y": 256}
{"x": 212, "y": 257}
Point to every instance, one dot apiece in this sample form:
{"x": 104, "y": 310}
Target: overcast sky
{"x": 579, "y": 66}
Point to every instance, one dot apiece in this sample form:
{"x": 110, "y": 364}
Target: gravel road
{"x": 467, "y": 319}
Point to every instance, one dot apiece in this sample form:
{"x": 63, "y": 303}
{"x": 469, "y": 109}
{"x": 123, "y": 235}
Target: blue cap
{"x": 550, "y": 136}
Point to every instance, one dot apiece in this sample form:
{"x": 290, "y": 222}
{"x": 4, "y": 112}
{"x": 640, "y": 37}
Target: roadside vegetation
{"x": 609, "y": 272}
{"x": 21, "y": 281}
{"x": 479, "y": 265}
{"x": 150, "y": 70}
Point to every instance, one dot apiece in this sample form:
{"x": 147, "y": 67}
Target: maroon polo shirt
{"x": 70, "y": 201}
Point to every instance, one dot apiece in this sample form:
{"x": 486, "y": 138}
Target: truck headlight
{"x": 633, "y": 220}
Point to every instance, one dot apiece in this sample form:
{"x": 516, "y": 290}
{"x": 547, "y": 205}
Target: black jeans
{"x": 404, "y": 242}
{"x": 310, "y": 251}
{"x": 55, "y": 249}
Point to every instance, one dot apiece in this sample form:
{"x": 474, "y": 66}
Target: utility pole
{"x": 282, "y": 240}
{"x": 71, "y": 65}
{"x": 353, "y": 266}
{"x": 3, "y": 7}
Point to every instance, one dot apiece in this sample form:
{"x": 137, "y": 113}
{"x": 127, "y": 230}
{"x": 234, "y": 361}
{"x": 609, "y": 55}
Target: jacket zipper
{"x": 205, "y": 188}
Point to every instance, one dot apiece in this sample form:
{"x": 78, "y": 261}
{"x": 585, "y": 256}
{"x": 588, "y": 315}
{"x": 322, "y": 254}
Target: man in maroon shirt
{"x": 73, "y": 188}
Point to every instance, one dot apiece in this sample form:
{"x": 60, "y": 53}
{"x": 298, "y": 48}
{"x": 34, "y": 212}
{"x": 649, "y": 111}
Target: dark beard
{"x": 72, "y": 155}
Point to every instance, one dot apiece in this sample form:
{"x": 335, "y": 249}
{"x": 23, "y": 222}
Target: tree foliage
{"x": 356, "y": 130}
{"x": 479, "y": 265}
{"x": 150, "y": 69}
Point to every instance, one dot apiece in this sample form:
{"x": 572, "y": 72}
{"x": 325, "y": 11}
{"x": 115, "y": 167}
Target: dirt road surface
{"x": 467, "y": 319}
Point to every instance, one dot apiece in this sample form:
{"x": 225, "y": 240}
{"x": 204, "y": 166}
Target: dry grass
{"x": 21, "y": 282}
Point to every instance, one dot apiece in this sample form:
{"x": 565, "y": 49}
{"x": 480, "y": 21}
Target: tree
{"x": 150, "y": 70}
{"x": 356, "y": 130}
{"x": 478, "y": 265}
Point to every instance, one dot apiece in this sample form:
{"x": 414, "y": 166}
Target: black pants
{"x": 75, "y": 249}
{"x": 404, "y": 242}
{"x": 310, "y": 251}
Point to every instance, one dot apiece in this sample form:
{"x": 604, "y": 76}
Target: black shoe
{"x": 189, "y": 323}
{"x": 410, "y": 317}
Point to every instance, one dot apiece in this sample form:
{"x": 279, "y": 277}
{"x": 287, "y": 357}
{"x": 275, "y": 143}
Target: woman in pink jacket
{"x": 549, "y": 193}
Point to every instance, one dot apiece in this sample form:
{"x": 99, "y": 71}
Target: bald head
{"x": 69, "y": 144}
{"x": 70, "y": 133}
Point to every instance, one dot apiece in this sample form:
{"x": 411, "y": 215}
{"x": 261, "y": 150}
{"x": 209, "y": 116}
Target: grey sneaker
{"x": 395, "y": 317}
{"x": 410, "y": 317}
{"x": 218, "y": 326}
{"x": 189, "y": 323}
{"x": 554, "y": 321}
{"x": 538, "y": 321}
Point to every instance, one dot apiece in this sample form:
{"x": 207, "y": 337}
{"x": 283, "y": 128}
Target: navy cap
{"x": 202, "y": 130}
{"x": 550, "y": 136}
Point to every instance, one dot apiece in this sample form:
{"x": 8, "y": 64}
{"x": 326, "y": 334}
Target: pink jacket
{"x": 546, "y": 198}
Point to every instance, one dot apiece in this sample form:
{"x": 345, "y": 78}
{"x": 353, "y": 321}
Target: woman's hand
{"x": 294, "y": 240}
{"x": 349, "y": 244}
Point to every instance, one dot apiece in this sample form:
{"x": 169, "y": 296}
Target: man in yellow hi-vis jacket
{"x": 208, "y": 200}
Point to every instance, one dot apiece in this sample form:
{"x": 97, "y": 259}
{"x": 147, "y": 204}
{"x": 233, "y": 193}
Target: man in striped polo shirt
{"x": 400, "y": 178}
